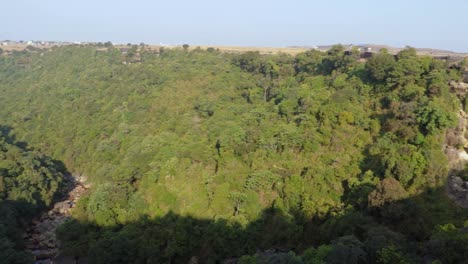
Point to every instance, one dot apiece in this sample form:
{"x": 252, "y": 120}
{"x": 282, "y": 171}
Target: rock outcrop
{"x": 458, "y": 190}
{"x": 456, "y": 146}
{"x": 460, "y": 88}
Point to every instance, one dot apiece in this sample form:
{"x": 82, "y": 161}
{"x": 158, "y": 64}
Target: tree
{"x": 347, "y": 249}
{"x": 249, "y": 61}
{"x": 308, "y": 62}
{"x": 449, "y": 244}
{"x": 407, "y": 53}
{"x": 379, "y": 66}
{"x": 209, "y": 154}
{"x": 333, "y": 60}
{"x": 388, "y": 190}
{"x": 432, "y": 117}
{"x": 390, "y": 255}
{"x": 185, "y": 46}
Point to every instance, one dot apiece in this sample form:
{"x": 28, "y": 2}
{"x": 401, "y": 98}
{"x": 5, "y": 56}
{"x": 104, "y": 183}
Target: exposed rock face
{"x": 456, "y": 145}
{"x": 40, "y": 237}
{"x": 460, "y": 88}
{"x": 458, "y": 190}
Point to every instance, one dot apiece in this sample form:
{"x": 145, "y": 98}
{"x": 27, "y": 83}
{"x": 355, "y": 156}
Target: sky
{"x": 417, "y": 23}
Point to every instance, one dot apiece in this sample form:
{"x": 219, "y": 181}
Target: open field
{"x": 263, "y": 50}
{"x": 233, "y": 49}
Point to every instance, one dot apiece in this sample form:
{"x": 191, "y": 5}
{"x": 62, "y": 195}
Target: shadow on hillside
{"x": 6, "y": 133}
{"x": 355, "y": 236}
{"x": 64, "y": 186}
{"x": 30, "y": 184}
{"x": 14, "y": 218}
{"x": 405, "y": 226}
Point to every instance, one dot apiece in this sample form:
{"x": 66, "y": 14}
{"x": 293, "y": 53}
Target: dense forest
{"x": 204, "y": 156}
{"x": 29, "y": 182}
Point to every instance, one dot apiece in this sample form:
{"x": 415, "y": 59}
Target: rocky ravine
{"x": 40, "y": 236}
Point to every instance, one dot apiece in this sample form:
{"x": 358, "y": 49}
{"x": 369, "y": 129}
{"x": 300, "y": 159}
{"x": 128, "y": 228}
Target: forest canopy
{"x": 326, "y": 155}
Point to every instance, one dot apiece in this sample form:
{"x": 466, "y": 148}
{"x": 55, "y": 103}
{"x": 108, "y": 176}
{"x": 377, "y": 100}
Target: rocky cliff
{"x": 456, "y": 146}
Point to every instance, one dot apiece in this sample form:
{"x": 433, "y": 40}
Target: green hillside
{"x": 207, "y": 156}
{"x": 29, "y": 181}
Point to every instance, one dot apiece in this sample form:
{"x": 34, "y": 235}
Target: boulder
{"x": 50, "y": 235}
{"x": 43, "y": 254}
{"x": 35, "y": 238}
{"x": 45, "y": 226}
{"x": 50, "y": 243}
{"x": 193, "y": 260}
{"x": 64, "y": 260}
{"x": 62, "y": 207}
{"x": 458, "y": 188}
{"x": 30, "y": 245}
{"x": 457, "y": 180}
{"x": 83, "y": 261}
{"x": 45, "y": 261}
{"x": 459, "y": 87}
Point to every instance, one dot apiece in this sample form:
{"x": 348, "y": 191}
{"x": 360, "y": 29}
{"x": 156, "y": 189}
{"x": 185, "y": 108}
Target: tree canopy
{"x": 324, "y": 154}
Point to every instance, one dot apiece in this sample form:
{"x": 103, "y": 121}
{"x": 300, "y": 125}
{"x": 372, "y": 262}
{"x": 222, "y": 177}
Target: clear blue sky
{"x": 418, "y": 23}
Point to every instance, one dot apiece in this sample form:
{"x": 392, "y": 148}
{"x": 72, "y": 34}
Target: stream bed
{"x": 40, "y": 238}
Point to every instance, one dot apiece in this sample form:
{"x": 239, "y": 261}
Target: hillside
{"x": 29, "y": 183}
{"x": 204, "y": 156}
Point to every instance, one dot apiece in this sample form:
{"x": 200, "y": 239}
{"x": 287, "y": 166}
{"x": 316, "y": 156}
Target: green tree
{"x": 380, "y": 65}
{"x": 388, "y": 190}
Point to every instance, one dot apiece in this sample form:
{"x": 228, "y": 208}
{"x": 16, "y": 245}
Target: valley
{"x": 197, "y": 155}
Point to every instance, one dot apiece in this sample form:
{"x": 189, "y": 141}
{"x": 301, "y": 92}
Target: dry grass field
{"x": 262, "y": 50}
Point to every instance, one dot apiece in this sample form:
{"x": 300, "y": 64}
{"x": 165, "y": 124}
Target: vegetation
{"x": 204, "y": 155}
{"x": 28, "y": 183}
